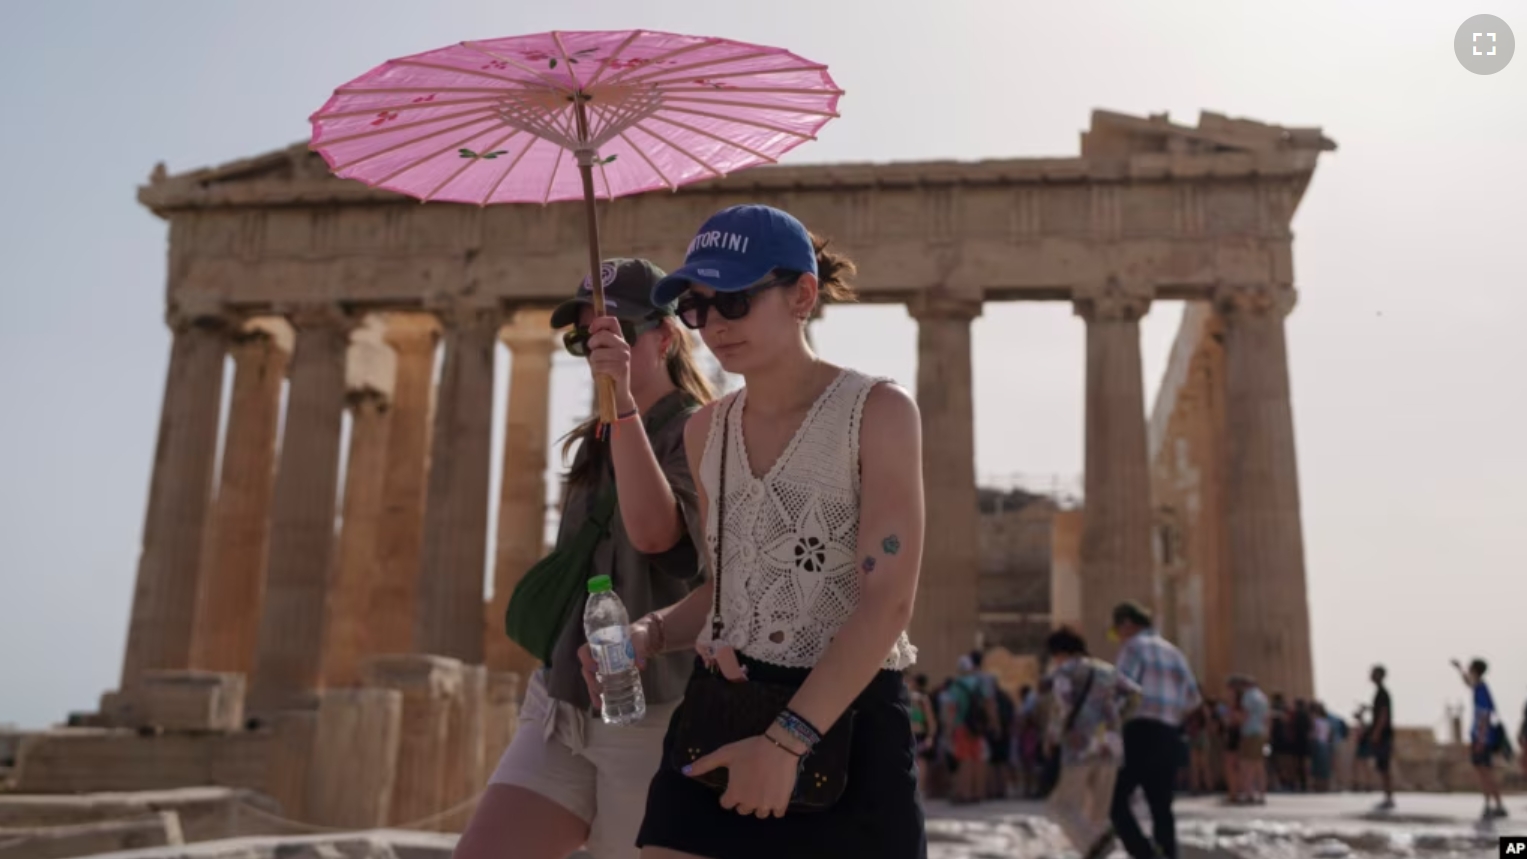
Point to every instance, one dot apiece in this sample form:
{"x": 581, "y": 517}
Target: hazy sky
{"x": 1407, "y": 346}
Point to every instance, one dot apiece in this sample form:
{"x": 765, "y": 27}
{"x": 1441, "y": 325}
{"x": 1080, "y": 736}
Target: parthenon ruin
{"x": 343, "y": 294}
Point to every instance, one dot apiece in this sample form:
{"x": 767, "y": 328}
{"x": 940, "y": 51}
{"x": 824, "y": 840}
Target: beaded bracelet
{"x": 791, "y": 723}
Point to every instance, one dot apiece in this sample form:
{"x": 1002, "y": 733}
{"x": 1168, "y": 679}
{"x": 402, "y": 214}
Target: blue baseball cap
{"x": 738, "y": 247}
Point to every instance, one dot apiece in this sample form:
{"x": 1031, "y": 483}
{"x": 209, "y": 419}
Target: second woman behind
{"x": 568, "y": 780}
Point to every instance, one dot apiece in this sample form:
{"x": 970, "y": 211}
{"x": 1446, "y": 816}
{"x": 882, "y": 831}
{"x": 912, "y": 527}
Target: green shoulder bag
{"x": 543, "y": 598}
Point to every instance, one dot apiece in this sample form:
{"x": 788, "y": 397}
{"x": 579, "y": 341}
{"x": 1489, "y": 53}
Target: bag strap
{"x": 1081, "y": 699}
{"x": 715, "y": 612}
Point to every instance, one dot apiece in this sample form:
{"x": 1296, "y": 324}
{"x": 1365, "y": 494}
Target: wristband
{"x": 791, "y": 723}
{"x": 627, "y": 415}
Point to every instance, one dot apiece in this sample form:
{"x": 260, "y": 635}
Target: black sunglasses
{"x": 694, "y": 310}
{"x": 576, "y": 340}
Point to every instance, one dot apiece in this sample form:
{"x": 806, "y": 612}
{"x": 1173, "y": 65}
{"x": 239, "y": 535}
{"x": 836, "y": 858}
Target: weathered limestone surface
{"x": 205, "y": 813}
{"x": 1188, "y": 453}
{"x": 400, "y": 527}
{"x": 501, "y": 716}
{"x": 355, "y": 758}
{"x": 232, "y": 578}
{"x": 155, "y": 829}
{"x": 1116, "y": 559}
{"x": 370, "y": 369}
{"x": 347, "y": 622}
{"x": 164, "y": 599}
{"x": 431, "y": 687}
{"x": 450, "y": 597}
{"x": 1271, "y": 606}
{"x": 375, "y": 844}
{"x": 1014, "y": 587}
{"x": 464, "y": 745}
{"x": 522, "y": 491}
{"x": 289, "y": 752}
{"x": 93, "y": 760}
{"x": 287, "y": 662}
{"x": 1183, "y": 206}
{"x": 946, "y": 618}
{"x": 179, "y": 701}
{"x": 1066, "y": 598}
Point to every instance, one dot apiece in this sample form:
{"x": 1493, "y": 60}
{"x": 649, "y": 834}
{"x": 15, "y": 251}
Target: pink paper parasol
{"x": 569, "y": 115}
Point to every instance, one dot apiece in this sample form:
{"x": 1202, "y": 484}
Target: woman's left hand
{"x": 760, "y": 776}
{"x": 610, "y": 355}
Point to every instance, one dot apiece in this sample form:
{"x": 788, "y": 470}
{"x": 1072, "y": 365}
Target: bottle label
{"x": 613, "y": 650}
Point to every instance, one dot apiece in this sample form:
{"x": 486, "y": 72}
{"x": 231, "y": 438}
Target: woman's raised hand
{"x": 610, "y": 355}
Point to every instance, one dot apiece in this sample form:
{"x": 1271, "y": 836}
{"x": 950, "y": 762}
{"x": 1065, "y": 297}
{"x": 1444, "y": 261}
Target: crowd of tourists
{"x": 1087, "y": 737}
{"x": 976, "y": 742}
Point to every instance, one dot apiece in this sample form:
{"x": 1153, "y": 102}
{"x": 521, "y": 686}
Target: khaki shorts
{"x": 1252, "y": 747}
{"x": 1081, "y": 801}
{"x": 598, "y": 772}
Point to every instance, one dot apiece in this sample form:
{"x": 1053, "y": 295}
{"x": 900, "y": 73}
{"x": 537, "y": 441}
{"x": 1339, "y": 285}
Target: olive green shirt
{"x": 643, "y": 582}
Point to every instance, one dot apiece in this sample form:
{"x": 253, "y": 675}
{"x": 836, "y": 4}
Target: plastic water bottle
{"x": 608, "y": 629}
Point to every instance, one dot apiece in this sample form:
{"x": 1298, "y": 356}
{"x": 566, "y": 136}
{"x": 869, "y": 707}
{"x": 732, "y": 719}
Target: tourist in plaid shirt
{"x": 1153, "y": 735}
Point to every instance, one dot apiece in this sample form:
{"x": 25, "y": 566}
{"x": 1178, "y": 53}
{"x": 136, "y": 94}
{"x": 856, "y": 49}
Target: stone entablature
{"x": 277, "y": 228}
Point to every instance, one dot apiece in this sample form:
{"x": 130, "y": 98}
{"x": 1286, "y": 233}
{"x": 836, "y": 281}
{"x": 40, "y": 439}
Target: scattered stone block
{"x": 178, "y": 701}
{"x": 204, "y": 813}
{"x": 500, "y": 719}
{"x": 430, "y": 686}
{"x": 464, "y": 746}
{"x": 355, "y": 758}
{"x": 156, "y": 829}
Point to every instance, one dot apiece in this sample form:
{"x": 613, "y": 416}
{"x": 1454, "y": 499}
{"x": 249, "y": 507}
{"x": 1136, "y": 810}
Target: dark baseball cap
{"x": 738, "y": 247}
{"x": 628, "y": 287}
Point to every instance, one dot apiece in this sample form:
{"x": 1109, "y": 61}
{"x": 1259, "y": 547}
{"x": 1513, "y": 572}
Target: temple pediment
{"x": 1119, "y": 135}
{"x": 1116, "y": 148}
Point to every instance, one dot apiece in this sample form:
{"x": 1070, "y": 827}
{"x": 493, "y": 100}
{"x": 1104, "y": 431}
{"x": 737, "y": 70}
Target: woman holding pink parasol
{"x": 793, "y": 738}
{"x": 567, "y": 779}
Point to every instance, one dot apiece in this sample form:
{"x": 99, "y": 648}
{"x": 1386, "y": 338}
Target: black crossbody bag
{"x": 717, "y": 712}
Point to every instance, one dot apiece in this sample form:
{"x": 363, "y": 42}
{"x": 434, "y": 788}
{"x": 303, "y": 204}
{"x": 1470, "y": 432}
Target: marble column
{"x": 289, "y": 649}
{"x": 1116, "y": 561}
{"x": 232, "y": 578}
{"x": 945, "y": 620}
{"x": 369, "y": 369}
{"x": 400, "y": 529}
{"x": 161, "y": 627}
{"x": 522, "y": 492}
{"x": 1271, "y": 618}
{"x": 450, "y": 600}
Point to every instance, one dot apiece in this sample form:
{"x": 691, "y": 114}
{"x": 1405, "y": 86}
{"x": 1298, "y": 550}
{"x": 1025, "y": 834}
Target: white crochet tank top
{"x": 790, "y": 577}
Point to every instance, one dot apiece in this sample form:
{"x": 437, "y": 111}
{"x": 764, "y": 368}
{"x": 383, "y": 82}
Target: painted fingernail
{"x": 687, "y": 769}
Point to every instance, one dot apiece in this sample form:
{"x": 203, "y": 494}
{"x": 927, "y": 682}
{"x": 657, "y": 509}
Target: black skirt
{"x": 880, "y": 813}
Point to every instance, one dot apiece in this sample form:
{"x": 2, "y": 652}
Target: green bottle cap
{"x": 600, "y": 584}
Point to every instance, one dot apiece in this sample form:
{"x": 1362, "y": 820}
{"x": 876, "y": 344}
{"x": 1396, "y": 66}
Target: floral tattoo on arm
{"x": 890, "y": 545}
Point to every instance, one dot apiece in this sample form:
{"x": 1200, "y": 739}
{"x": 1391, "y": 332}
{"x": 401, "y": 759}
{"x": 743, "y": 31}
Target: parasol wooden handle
{"x": 606, "y": 396}
{"x": 604, "y": 385}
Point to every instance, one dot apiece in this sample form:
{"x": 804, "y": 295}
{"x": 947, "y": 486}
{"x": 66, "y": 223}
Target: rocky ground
{"x": 1342, "y": 826}
{"x": 1424, "y": 826}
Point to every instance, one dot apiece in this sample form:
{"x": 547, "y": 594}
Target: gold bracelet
{"x": 789, "y": 751}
